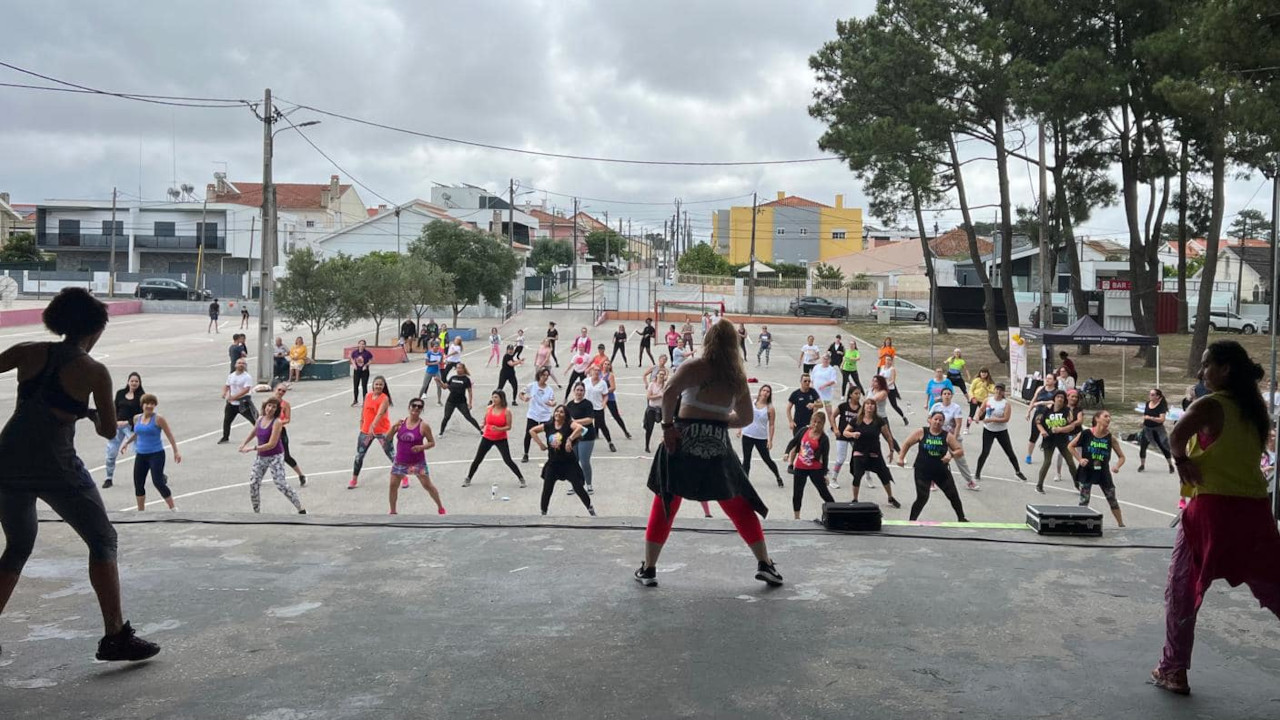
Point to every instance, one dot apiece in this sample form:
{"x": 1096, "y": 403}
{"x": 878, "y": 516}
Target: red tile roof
{"x": 794, "y": 201}
{"x": 373, "y": 212}
{"x": 954, "y": 243}
{"x": 291, "y": 196}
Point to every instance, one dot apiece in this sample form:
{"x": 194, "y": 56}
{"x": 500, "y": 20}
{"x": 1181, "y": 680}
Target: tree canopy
{"x": 480, "y": 265}
{"x": 317, "y": 293}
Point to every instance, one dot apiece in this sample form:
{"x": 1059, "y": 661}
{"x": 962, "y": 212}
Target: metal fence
{"x": 794, "y": 286}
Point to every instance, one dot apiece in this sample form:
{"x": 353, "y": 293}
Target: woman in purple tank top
{"x": 413, "y": 440}
{"x": 266, "y": 433}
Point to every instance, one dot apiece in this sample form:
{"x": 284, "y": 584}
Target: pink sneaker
{"x": 404, "y": 483}
{"x": 441, "y": 511}
{"x": 353, "y": 484}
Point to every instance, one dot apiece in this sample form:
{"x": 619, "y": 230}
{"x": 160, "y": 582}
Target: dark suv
{"x": 165, "y": 289}
{"x": 813, "y": 305}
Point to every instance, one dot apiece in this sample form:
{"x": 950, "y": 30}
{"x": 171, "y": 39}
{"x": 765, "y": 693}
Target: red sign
{"x": 1111, "y": 284}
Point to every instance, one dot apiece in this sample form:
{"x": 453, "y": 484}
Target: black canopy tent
{"x": 1087, "y": 331}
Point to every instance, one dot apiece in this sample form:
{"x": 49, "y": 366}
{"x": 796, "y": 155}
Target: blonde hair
{"x": 720, "y": 349}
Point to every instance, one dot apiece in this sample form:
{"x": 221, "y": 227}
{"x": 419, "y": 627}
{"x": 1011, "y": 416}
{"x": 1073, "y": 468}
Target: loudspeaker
{"x": 851, "y": 516}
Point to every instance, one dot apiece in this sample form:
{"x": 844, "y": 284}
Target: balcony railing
{"x": 151, "y": 242}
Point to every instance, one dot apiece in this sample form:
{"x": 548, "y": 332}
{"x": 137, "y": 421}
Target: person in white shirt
{"x": 826, "y": 378}
{"x": 236, "y": 393}
{"x": 994, "y": 416}
{"x": 541, "y": 403}
{"x": 953, "y": 417}
{"x": 808, "y": 355}
{"x": 597, "y": 392}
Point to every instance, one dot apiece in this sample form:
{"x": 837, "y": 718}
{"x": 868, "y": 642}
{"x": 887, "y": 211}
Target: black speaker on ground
{"x": 851, "y": 516}
{"x": 1064, "y": 520}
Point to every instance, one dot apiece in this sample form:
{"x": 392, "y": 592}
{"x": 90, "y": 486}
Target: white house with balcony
{"x": 486, "y": 211}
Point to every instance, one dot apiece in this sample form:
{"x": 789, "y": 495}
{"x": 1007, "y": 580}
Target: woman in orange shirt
{"x": 375, "y": 424}
{"x": 886, "y": 350}
{"x": 497, "y": 423}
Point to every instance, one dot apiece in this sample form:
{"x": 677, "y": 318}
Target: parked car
{"x": 898, "y": 309}
{"x": 1060, "y": 316}
{"x": 1223, "y": 320}
{"x": 165, "y": 289}
{"x": 813, "y": 305}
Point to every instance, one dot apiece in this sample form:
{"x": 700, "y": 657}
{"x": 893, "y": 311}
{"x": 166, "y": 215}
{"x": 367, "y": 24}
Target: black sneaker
{"x": 1021, "y": 477}
{"x": 612, "y": 448}
{"x": 780, "y": 483}
{"x": 894, "y": 502}
{"x": 768, "y": 573}
{"x": 524, "y": 458}
{"x": 106, "y": 484}
{"x": 224, "y": 441}
{"x": 1040, "y": 489}
{"x": 302, "y": 481}
{"x": 523, "y": 484}
{"x": 125, "y": 646}
{"x": 647, "y": 577}
{"x": 624, "y": 432}
{"x": 592, "y": 510}
{"x": 303, "y": 511}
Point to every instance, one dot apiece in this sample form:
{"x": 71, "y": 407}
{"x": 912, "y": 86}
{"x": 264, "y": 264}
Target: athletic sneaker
{"x": 106, "y": 483}
{"x": 1057, "y": 478}
{"x": 612, "y": 448}
{"x": 125, "y": 646}
{"x": 1028, "y": 459}
{"x": 302, "y": 481}
{"x": 569, "y": 491}
{"x": 523, "y": 483}
{"x": 466, "y": 483}
{"x": 440, "y": 511}
{"x": 592, "y": 510}
{"x": 894, "y": 502}
{"x": 590, "y": 489}
{"x": 868, "y": 482}
{"x": 647, "y": 577}
{"x": 833, "y": 484}
{"x": 1021, "y": 477}
{"x": 973, "y": 486}
{"x": 404, "y": 483}
{"x": 353, "y": 484}
{"x": 1040, "y": 489}
{"x": 906, "y": 421}
{"x": 524, "y": 458}
{"x": 768, "y": 573}
{"x": 303, "y": 511}
{"x": 780, "y": 483}
{"x": 224, "y": 441}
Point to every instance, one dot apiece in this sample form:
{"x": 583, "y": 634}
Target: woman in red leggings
{"x": 705, "y": 398}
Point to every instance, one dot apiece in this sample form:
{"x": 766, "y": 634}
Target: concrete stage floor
{"x": 488, "y": 617}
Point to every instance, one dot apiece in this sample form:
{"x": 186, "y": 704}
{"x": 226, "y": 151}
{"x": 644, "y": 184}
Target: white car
{"x": 1223, "y": 320}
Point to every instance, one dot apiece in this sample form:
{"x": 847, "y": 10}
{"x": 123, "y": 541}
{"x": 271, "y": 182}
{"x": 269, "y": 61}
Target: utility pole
{"x": 511, "y": 213}
{"x": 1046, "y": 287}
{"x": 200, "y": 235}
{"x": 1273, "y": 173}
{"x": 675, "y": 231}
{"x": 751, "y": 290}
{"x": 574, "y": 284}
{"x": 111, "y": 281}
{"x": 266, "y": 282}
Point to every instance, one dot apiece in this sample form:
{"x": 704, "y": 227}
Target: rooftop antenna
{"x": 174, "y": 194}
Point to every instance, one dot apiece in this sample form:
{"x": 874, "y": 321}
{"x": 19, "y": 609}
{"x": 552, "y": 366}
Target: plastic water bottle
{"x": 493, "y": 492}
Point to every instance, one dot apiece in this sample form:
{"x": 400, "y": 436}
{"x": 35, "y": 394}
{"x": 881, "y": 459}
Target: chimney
{"x": 839, "y": 202}
{"x": 781, "y": 194}
{"x": 4, "y": 197}
{"x": 334, "y": 190}
{"x": 210, "y": 190}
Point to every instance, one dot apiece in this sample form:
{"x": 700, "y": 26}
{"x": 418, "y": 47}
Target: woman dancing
{"x": 495, "y": 346}
{"x": 497, "y": 423}
{"x": 1153, "y": 417}
{"x": 452, "y": 357}
{"x": 810, "y": 462}
{"x": 611, "y": 400}
{"x": 433, "y": 363}
{"x": 758, "y": 434}
{"x": 890, "y": 375}
{"x": 149, "y": 457}
{"x": 620, "y": 345}
{"x": 880, "y": 394}
{"x": 1093, "y": 448}
{"x": 597, "y": 389}
{"x": 583, "y": 413}
{"x": 937, "y": 448}
{"x": 128, "y": 406}
{"x": 994, "y": 416}
{"x": 461, "y": 398}
{"x": 413, "y": 440}
{"x": 265, "y": 435}
{"x": 695, "y": 460}
{"x": 653, "y": 409}
{"x": 1053, "y": 424}
{"x": 508, "y": 373}
{"x": 561, "y": 433}
{"x": 865, "y": 433}
{"x": 578, "y": 364}
{"x": 37, "y": 448}
{"x": 1227, "y": 530}
{"x": 540, "y": 400}
{"x": 374, "y": 426}
{"x": 542, "y": 360}
{"x": 286, "y": 417}
{"x": 647, "y": 334}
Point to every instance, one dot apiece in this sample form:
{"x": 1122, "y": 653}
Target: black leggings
{"x": 461, "y": 407}
{"x": 519, "y": 350}
{"x": 945, "y": 483}
{"x": 645, "y": 349}
{"x": 359, "y": 378}
{"x": 850, "y": 378}
{"x": 671, "y": 353}
{"x": 973, "y": 408}
{"x": 153, "y": 463}
{"x": 613, "y": 410}
{"x": 568, "y": 471}
{"x": 894, "y": 396}
{"x": 619, "y": 347}
{"x": 1152, "y": 435}
{"x": 603, "y": 426}
{"x": 803, "y": 477}
{"x": 652, "y": 415}
{"x": 575, "y": 377}
{"x": 508, "y": 375}
{"x": 958, "y": 382}
{"x": 503, "y": 449}
{"x": 554, "y": 359}
{"x": 448, "y": 368}
{"x": 528, "y": 438}
{"x": 230, "y": 411}
{"x": 284, "y": 443}
{"x": 1001, "y": 436}
{"x": 863, "y": 464}
{"x": 761, "y": 446}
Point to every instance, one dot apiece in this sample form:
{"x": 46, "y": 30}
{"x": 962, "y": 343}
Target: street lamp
{"x": 1272, "y": 172}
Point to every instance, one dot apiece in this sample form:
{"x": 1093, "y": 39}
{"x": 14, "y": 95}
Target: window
{"x": 311, "y": 223}
{"x": 68, "y": 232}
{"x": 804, "y": 231}
{"x": 782, "y": 231}
{"x": 837, "y": 234}
{"x": 165, "y": 229}
{"x": 208, "y": 233}
{"x": 108, "y": 227}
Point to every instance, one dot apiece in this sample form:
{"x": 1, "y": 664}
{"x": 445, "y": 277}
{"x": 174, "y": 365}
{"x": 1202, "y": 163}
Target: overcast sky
{"x": 714, "y": 80}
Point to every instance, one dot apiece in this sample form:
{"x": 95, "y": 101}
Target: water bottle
{"x": 493, "y": 492}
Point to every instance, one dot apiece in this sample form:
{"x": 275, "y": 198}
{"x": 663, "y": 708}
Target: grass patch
{"x": 912, "y": 342}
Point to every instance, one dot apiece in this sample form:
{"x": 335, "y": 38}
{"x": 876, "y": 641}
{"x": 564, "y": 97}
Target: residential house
{"x": 788, "y": 229}
{"x": 900, "y": 264}
{"x": 150, "y": 237}
{"x": 390, "y": 230}
{"x": 9, "y": 218}
{"x": 319, "y": 208}
{"x": 486, "y": 211}
{"x": 1247, "y": 268}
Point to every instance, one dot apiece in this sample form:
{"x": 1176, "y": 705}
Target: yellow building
{"x": 788, "y": 229}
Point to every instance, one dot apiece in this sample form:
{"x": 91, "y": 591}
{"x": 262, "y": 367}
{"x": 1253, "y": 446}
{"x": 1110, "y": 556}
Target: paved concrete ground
{"x": 186, "y": 367}
{"x": 510, "y": 619}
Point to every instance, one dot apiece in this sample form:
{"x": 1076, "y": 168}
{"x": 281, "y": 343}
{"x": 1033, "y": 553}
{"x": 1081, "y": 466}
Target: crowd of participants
{"x": 1222, "y": 448}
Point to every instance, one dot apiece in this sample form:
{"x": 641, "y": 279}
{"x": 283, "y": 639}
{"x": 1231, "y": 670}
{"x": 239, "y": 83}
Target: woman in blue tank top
{"x": 147, "y": 427}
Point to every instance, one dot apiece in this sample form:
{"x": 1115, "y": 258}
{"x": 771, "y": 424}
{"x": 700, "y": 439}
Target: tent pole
{"x": 1124, "y": 362}
{"x": 1158, "y": 367}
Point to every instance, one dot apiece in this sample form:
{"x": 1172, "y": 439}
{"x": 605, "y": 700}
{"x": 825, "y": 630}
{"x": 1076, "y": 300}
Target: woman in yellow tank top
{"x": 1227, "y": 530}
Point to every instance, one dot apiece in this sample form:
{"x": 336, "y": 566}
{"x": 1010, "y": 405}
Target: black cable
{"x": 156, "y": 99}
{"x": 334, "y": 162}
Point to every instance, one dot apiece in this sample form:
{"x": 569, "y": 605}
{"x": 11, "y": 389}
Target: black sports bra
{"x": 48, "y": 387}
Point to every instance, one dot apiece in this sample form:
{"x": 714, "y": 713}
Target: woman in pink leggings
{"x": 1227, "y": 531}
{"x": 705, "y": 398}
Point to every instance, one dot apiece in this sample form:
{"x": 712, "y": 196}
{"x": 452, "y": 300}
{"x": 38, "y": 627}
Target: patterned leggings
{"x": 275, "y": 463}
{"x": 363, "y": 441}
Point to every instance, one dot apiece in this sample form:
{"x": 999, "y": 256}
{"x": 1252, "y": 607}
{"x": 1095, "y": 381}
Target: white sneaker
{"x": 833, "y": 485}
{"x": 869, "y": 483}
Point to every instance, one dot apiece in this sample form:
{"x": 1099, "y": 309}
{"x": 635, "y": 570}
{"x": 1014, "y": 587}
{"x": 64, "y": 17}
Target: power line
{"x": 664, "y": 203}
{"x": 139, "y": 97}
{"x": 559, "y": 156}
{"x": 333, "y": 162}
